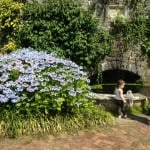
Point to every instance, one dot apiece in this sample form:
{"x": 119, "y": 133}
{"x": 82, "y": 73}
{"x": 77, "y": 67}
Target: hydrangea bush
{"x": 34, "y": 81}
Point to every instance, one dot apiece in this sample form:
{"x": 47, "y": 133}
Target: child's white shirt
{"x": 118, "y": 92}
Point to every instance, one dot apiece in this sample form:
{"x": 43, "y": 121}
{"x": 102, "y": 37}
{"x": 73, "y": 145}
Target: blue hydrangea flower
{"x": 26, "y": 71}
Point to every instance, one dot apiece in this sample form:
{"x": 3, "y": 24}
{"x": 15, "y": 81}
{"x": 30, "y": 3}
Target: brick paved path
{"x": 125, "y": 135}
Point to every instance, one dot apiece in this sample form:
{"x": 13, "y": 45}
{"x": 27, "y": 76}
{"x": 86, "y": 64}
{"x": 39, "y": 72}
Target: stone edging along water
{"x": 136, "y": 97}
{"x": 108, "y": 100}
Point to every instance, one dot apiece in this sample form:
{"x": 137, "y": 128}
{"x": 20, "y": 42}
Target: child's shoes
{"x": 125, "y": 116}
{"x": 119, "y": 116}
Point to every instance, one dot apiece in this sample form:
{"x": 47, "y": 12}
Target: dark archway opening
{"x": 112, "y": 76}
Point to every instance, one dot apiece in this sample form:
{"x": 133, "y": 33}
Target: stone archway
{"x": 131, "y": 61}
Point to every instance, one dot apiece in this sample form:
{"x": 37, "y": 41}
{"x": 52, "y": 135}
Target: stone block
{"x": 148, "y": 73}
{"x": 104, "y": 66}
{"x": 113, "y": 64}
{"x": 134, "y": 69}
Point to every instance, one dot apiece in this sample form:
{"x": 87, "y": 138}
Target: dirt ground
{"x": 127, "y": 134}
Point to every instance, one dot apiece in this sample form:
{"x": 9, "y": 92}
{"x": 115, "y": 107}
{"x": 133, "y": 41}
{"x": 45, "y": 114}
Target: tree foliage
{"x": 10, "y": 22}
{"x": 134, "y": 31}
{"x": 65, "y": 26}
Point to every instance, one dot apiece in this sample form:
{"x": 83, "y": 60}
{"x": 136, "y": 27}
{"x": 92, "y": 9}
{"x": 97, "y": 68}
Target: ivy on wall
{"x": 135, "y": 31}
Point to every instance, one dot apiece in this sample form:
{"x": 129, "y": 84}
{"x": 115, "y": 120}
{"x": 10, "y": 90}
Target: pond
{"x": 109, "y": 88}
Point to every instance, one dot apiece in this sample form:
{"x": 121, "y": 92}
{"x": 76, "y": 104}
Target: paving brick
{"x": 99, "y": 136}
{"x": 97, "y": 142}
{"x": 108, "y": 142}
{"x": 87, "y": 148}
{"x": 66, "y": 147}
{"x": 108, "y": 147}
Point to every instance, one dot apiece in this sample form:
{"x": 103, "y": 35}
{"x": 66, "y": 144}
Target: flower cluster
{"x": 26, "y": 72}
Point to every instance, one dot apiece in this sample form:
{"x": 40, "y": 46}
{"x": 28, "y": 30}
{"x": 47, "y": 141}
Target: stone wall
{"x": 108, "y": 10}
{"x": 108, "y": 100}
{"x": 132, "y": 61}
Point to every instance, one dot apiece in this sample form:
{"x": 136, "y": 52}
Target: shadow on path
{"x": 141, "y": 118}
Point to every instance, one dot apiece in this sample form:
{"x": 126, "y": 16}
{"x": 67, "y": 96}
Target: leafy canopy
{"x": 65, "y": 26}
{"x": 10, "y": 23}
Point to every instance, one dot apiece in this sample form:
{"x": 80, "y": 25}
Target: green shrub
{"x": 10, "y": 23}
{"x": 14, "y": 126}
{"x": 67, "y": 28}
{"x": 97, "y": 87}
{"x": 135, "y": 110}
{"x": 37, "y": 82}
{"x": 40, "y": 93}
{"x": 146, "y": 108}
